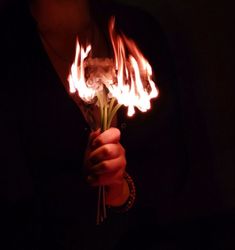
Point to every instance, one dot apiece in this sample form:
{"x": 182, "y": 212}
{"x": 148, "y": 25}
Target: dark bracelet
{"x": 132, "y": 196}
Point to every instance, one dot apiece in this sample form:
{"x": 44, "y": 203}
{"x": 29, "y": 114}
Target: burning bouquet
{"x": 110, "y": 83}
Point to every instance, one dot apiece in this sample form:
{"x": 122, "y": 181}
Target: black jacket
{"x": 45, "y": 201}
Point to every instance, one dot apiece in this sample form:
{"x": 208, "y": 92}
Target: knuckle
{"x": 101, "y": 141}
{"x": 105, "y": 165}
{"x": 98, "y": 142}
{"x": 107, "y": 150}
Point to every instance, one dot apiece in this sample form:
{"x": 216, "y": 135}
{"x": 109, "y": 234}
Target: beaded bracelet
{"x": 132, "y": 196}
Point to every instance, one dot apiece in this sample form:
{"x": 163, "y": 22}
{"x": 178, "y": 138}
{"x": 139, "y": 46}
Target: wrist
{"x": 117, "y": 194}
{"x": 128, "y": 200}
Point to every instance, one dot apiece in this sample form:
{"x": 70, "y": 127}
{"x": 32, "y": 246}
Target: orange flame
{"x": 130, "y": 90}
{"x": 134, "y": 86}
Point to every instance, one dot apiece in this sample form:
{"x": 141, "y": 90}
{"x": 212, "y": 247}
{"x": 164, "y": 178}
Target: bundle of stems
{"x": 107, "y": 113}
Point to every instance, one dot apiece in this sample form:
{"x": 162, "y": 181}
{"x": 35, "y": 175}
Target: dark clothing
{"x": 45, "y": 202}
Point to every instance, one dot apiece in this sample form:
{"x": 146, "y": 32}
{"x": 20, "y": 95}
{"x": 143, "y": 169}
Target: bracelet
{"x": 132, "y": 196}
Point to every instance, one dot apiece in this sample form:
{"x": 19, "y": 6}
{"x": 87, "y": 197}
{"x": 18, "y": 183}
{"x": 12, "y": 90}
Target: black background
{"x": 201, "y": 38}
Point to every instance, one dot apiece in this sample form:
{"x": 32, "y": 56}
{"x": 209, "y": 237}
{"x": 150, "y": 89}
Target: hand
{"x": 105, "y": 163}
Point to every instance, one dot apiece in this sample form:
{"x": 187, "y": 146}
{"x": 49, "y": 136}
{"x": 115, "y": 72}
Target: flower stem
{"x": 107, "y": 114}
{"x": 111, "y": 106}
{"x": 101, "y": 105}
{"x": 112, "y": 114}
{"x": 105, "y": 117}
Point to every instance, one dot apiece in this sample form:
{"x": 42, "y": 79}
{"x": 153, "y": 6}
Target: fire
{"x": 133, "y": 86}
{"x": 77, "y": 79}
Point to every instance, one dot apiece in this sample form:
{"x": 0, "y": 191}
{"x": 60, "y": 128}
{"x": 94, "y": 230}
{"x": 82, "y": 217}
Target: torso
{"x": 60, "y": 48}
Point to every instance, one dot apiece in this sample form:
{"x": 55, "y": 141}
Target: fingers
{"x": 107, "y": 172}
{"x": 109, "y": 166}
{"x": 106, "y": 152}
{"x": 110, "y": 136}
{"x": 105, "y": 159}
{"x": 106, "y": 179}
